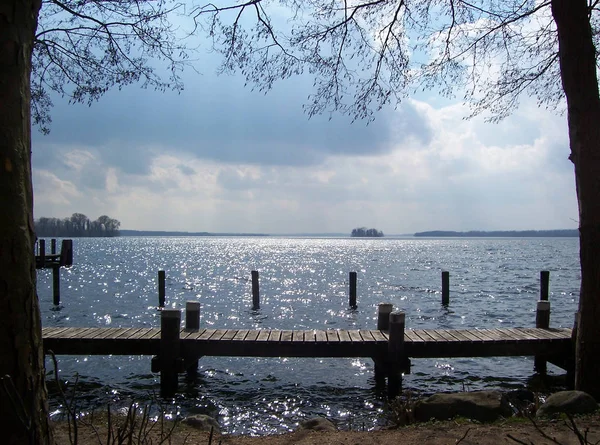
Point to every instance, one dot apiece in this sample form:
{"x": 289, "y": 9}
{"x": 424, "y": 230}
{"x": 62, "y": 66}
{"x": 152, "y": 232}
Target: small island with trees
{"x": 77, "y": 225}
{"x": 363, "y": 232}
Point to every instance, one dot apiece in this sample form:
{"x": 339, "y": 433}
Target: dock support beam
{"x": 192, "y": 323}
{"x": 352, "y": 290}
{"x": 542, "y": 320}
{"x": 169, "y": 359}
{"x": 56, "y": 285}
{"x": 255, "y": 291}
{"x": 161, "y": 288}
{"x": 42, "y": 251}
{"x": 445, "y": 288}
{"x": 395, "y": 353}
{"x": 383, "y": 324}
{"x": 544, "y": 284}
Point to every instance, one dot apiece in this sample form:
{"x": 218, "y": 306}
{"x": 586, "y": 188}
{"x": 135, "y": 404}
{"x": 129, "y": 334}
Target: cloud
{"x": 222, "y": 158}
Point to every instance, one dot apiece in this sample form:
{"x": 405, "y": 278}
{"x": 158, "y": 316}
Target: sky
{"x": 220, "y": 157}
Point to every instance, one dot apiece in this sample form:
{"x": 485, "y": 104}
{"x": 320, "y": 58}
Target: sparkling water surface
{"x": 304, "y": 285}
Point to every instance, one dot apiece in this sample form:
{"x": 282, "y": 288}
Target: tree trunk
{"x": 24, "y": 410}
{"x": 578, "y": 72}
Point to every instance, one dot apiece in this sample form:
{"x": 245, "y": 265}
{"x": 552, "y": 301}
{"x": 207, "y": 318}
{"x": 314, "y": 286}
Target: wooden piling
{"x": 56, "y": 285}
{"x": 161, "y": 288}
{"x": 53, "y": 246}
{"x": 170, "y": 321}
{"x": 445, "y": 287}
{"x": 42, "y": 251}
{"x": 544, "y": 284}
{"x": 192, "y": 323}
{"x": 255, "y": 291}
{"x": 383, "y": 315}
{"x": 542, "y": 320}
{"x": 192, "y": 315}
{"x": 542, "y": 315}
{"x": 395, "y": 353}
{"x": 383, "y": 323}
{"x": 66, "y": 252}
{"x": 352, "y": 290}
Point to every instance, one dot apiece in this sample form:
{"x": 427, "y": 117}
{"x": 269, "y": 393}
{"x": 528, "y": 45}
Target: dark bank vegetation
{"x": 77, "y": 225}
{"x": 368, "y": 233}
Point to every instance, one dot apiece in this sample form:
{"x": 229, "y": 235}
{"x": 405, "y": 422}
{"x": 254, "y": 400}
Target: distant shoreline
{"x": 562, "y": 233}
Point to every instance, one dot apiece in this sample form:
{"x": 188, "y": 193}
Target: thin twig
{"x": 463, "y": 437}
{"x": 519, "y": 441}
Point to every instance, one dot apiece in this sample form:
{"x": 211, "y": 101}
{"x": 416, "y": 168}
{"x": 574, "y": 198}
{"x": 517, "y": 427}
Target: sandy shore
{"x": 435, "y": 433}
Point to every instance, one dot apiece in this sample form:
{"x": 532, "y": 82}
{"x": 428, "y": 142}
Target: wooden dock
{"x": 180, "y": 349}
{"x": 390, "y": 346}
{"x": 53, "y": 260}
{"x": 418, "y": 343}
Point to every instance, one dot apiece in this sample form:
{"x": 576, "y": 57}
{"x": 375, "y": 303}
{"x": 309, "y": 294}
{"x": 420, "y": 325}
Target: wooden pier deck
{"x": 53, "y": 260}
{"x": 418, "y": 343}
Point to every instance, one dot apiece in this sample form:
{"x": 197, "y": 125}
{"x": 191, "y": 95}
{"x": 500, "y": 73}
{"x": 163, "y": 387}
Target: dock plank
{"x": 355, "y": 336}
{"x": 320, "y": 336}
{"x": 344, "y": 335}
{"x": 332, "y": 336}
{"x": 196, "y": 335}
{"x": 263, "y": 335}
{"x": 274, "y": 336}
{"x": 468, "y": 333}
{"x": 310, "y": 336}
{"x": 241, "y": 335}
{"x": 423, "y": 336}
{"x": 410, "y": 335}
{"x": 229, "y": 334}
{"x": 149, "y": 334}
{"x": 367, "y": 336}
{"x": 445, "y": 335}
{"x": 379, "y": 336}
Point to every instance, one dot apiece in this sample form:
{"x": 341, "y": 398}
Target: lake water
{"x": 304, "y": 285}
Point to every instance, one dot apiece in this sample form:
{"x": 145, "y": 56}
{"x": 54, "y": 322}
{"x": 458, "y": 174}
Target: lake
{"x": 304, "y": 285}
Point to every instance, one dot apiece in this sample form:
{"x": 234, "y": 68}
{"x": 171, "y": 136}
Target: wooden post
{"x": 395, "y": 353}
{"x": 542, "y": 320}
{"x": 192, "y": 315}
{"x": 161, "y": 288}
{"x": 170, "y": 321}
{"x": 383, "y": 324}
{"x": 544, "y": 284}
{"x": 42, "y": 252}
{"x": 445, "y": 287}
{"x": 383, "y": 316}
{"x": 66, "y": 253}
{"x": 542, "y": 315}
{"x": 53, "y": 246}
{"x": 56, "y": 285}
{"x": 192, "y": 323}
{"x": 255, "y": 291}
{"x": 352, "y": 291}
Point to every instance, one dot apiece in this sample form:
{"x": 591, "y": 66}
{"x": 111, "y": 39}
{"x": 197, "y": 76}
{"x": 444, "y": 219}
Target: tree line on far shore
{"x": 77, "y": 225}
{"x": 364, "y": 232}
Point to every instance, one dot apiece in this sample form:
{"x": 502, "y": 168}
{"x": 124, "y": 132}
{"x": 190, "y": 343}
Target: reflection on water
{"x": 304, "y": 285}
